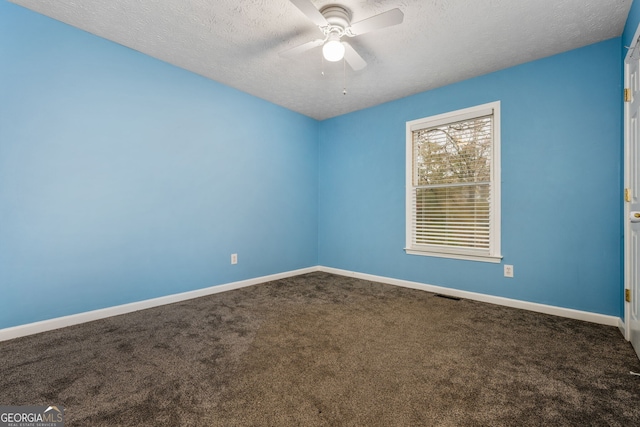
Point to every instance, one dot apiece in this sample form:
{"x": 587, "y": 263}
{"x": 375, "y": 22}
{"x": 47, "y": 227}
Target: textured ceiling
{"x": 237, "y": 42}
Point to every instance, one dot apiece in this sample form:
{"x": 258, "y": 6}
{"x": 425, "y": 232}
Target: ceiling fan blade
{"x": 352, "y": 57}
{"x": 302, "y": 48}
{"x": 310, "y": 11}
{"x": 385, "y": 19}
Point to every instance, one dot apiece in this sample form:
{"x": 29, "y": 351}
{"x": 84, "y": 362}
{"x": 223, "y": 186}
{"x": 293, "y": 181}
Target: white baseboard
{"x": 88, "y": 316}
{"x": 524, "y": 305}
{"x": 75, "y": 319}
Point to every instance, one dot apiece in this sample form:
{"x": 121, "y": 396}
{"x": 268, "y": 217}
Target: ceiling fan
{"x": 335, "y": 22}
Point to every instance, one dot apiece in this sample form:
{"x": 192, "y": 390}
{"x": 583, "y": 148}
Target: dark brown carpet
{"x": 325, "y": 350}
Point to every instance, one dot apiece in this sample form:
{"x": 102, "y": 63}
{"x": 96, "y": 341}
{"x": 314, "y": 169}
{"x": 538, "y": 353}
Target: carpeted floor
{"x": 325, "y": 350}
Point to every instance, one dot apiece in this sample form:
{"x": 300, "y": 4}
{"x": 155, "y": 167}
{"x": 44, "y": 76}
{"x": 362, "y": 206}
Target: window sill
{"x": 481, "y": 258}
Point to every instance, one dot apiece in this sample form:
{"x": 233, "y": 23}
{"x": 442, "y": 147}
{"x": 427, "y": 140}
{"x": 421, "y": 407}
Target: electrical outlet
{"x": 234, "y": 258}
{"x": 508, "y": 270}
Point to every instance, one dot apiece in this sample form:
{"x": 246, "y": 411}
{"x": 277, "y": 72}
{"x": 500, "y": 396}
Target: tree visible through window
{"x": 452, "y": 192}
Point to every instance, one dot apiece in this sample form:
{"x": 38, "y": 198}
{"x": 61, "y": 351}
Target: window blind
{"x": 452, "y": 185}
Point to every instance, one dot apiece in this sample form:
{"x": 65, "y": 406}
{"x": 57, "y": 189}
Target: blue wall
{"x": 561, "y": 210}
{"x": 123, "y": 178}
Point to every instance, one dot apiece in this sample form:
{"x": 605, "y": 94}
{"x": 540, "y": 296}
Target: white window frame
{"x": 493, "y": 253}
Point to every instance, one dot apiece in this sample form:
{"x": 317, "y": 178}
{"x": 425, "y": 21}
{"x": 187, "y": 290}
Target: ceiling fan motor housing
{"x": 338, "y": 17}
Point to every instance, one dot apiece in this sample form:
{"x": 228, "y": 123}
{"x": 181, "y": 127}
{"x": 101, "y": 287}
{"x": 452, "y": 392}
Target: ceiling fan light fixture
{"x": 333, "y": 50}
{"x": 334, "y": 21}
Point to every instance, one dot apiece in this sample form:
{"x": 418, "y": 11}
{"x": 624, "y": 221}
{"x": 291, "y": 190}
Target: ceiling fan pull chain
{"x": 344, "y": 76}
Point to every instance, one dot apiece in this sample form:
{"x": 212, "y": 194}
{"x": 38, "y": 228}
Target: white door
{"x": 632, "y": 196}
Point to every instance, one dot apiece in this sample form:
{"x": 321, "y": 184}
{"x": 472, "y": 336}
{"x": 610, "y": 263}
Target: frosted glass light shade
{"x": 333, "y": 50}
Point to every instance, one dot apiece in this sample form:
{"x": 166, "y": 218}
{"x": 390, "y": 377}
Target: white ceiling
{"x": 237, "y": 42}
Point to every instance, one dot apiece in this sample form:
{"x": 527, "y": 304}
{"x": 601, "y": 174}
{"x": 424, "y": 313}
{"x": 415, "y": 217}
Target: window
{"x": 453, "y": 184}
